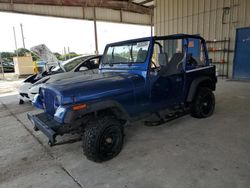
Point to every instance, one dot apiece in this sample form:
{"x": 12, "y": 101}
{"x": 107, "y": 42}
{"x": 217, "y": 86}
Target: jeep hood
{"x": 95, "y": 86}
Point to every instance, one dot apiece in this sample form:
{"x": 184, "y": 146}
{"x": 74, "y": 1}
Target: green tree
{"x": 58, "y": 55}
{"x": 68, "y": 56}
{"x": 7, "y": 56}
{"x": 35, "y": 57}
{"x": 21, "y": 51}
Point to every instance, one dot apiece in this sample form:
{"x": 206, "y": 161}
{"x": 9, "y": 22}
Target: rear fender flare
{"x": 195, "y": 84}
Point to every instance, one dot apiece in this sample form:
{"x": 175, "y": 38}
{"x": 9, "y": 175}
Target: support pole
{"x": 14, "y": 32}
{"x": 21, "y": 25}
{"x": 64, "y": 50}
{"x": 151, "y": 25}
{"x": 69, "y": 52}
{"x": 1, "y": 66}
{"x": 95, "y": 30}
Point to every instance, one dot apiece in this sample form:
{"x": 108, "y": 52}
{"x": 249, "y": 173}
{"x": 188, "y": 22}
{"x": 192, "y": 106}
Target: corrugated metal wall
{"x": 212, "y": 19}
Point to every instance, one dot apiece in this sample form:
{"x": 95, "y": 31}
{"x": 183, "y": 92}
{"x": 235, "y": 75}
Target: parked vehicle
{"x": 30, "y": 87}
{"x": 155, "y": 79}
{"x": 46, "y": 55}
{"x": 7, "y": 67}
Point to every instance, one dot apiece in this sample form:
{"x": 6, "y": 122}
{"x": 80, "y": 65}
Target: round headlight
{"x": 41, "y": 93}
{"x": 57, "y": 101}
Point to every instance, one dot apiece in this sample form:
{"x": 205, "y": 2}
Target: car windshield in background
{"x": 72, "y": 63}
{"x": 135, "y": 52}
{"x": 57, "y": 69}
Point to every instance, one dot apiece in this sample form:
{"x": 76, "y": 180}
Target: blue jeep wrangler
{"x": 154, "y": 79}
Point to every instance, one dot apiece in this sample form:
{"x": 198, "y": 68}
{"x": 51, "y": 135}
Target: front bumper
{"x": 46, "y": 124}
{"x": 26, "y": 96}
{"x": 23, "y": 96}
{"x": 31, "y": 96}
{"x": 24, "y": 91}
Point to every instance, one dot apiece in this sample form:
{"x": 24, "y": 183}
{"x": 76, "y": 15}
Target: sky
{"x": 57, "y": 33}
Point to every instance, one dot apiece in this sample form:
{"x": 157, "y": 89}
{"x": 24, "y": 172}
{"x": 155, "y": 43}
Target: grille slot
{"x": 49, "y": 100}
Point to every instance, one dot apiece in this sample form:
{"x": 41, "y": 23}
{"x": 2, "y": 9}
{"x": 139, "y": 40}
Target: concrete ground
{"x": 187, "y": 152}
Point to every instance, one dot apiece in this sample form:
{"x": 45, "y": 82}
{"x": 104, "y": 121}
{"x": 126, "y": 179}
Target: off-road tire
{"x": 203, "y": 104}
{"x": 21, "y": 101}
{"x": 95, "y": 138}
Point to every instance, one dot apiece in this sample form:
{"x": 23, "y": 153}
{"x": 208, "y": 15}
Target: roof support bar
{"x": 95, "y": 30}
{"x": 86, "y": 12}
{"x": 112, "y": 4}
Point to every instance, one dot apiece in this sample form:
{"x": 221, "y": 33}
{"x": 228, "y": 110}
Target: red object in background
{"x": 222, "y": 61}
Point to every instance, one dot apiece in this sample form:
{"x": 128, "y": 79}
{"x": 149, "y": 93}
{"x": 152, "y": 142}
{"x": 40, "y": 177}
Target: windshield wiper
{"x": 131, "y": 55}
{"x": 111, "y": 64}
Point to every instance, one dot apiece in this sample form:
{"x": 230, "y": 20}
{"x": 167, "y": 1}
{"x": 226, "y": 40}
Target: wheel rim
{"x": 110, "y": 142}
{"x": 207, "y": 105}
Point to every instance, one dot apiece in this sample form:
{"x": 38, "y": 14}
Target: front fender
{"x": 37, "y": 102}
{"x": 67, "y": 115}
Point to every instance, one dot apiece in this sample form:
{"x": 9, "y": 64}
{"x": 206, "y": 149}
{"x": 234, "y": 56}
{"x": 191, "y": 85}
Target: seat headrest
{"x": 177, "y": 57}
{"x": 163, "y": 59}
{"x": 141, "y": 56}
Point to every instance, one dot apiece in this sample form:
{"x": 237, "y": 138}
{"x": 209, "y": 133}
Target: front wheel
{"x": 103, "y": 139}
{"x": 203, "y": 104}
{"x": 21, "y": 101}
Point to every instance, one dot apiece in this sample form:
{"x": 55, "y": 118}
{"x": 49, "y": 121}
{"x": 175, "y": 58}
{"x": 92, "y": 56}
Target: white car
{"x": 67, "y": 69}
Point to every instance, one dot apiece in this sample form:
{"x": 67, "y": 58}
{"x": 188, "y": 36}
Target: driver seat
{"x": 173, "y": 66}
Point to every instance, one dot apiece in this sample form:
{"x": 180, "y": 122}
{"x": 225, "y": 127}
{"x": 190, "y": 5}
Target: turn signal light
{"x": 79, "y": 107}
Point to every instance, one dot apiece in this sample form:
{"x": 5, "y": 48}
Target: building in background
{"x": 219, "y": 22}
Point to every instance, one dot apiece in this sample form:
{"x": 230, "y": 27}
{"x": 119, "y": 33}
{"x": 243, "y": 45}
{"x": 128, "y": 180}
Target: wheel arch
{"x": 204, "y": 81}
{"x": 109, "y": 106}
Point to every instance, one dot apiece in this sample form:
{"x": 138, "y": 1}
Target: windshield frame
{"x": 126, "y": 43}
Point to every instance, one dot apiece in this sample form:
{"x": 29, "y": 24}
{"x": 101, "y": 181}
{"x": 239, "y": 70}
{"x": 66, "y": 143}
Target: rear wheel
{"x": 103, "y": 139}
{"x": 203, "y": 104}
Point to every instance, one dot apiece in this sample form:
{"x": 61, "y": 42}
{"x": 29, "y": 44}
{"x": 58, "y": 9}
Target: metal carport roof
{"x": 121, "y": 11}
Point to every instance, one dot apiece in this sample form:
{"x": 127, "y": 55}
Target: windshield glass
{"x": 135, "y": 52}
{"x": 72, "y": 63}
